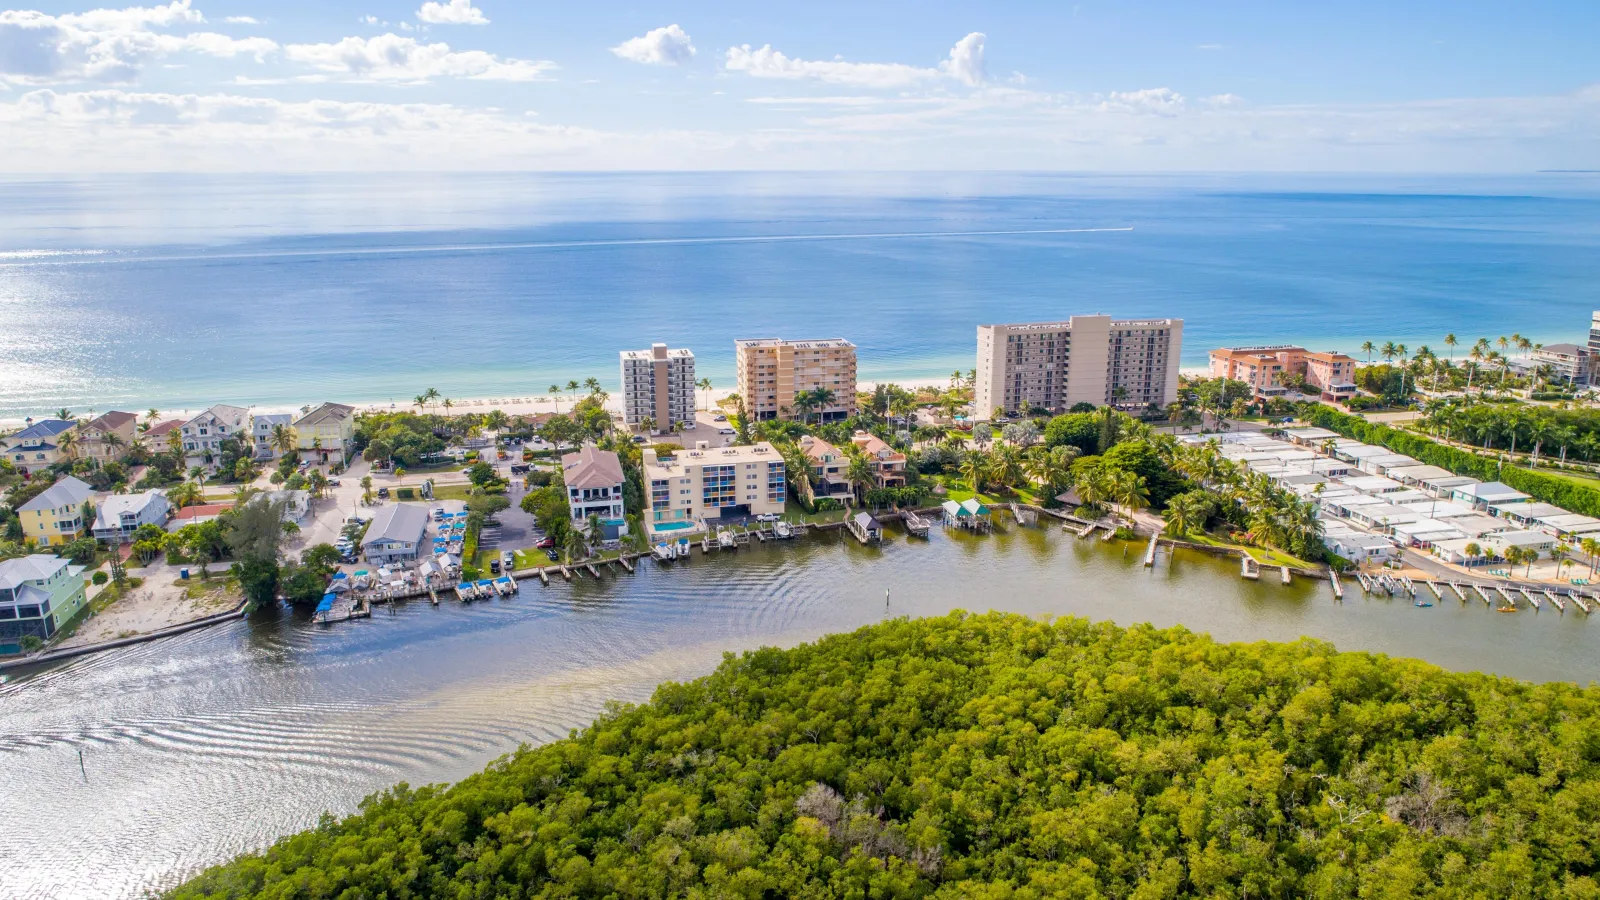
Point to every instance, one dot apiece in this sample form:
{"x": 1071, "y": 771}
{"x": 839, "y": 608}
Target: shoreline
{"x": 521, "y": 405}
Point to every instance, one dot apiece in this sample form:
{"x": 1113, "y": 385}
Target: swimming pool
{"x": 672, "y": 526}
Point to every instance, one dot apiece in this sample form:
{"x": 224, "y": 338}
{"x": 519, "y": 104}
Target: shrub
{"x": 99, "y": 578}
{"x": 404, "y": 493}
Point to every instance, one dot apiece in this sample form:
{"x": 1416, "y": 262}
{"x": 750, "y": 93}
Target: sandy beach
{"x": 522, "y": 405}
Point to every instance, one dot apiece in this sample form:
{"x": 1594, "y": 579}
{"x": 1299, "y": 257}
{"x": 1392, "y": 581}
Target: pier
{"x": 1487, "y": 601}
{"x": 915, "y": 524}
{"x": 1531, "y": 598}
{"x": 1150, "y": 552}
{"x": 1333, "y": 579}
{"x": 1555, "y": 600}
{"x": 1087, "y": 530}
{"x": 1578, "y": 600}
{"x": 1434, "y": 586}
{"x": 1249, "y": 568}
{"x": 1283, "y": 572}
{"x": 626, "y": 566}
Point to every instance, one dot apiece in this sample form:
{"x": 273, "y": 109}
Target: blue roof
{"x": 48, "y": 428}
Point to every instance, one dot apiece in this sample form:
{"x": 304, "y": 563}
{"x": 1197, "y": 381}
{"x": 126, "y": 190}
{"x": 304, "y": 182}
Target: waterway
{"x": 202, "y": 746}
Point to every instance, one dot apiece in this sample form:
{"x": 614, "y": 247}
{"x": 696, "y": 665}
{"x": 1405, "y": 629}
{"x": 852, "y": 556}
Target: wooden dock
{"x": 1455, "y": 586}
{"x": 914, "y": 523}
{"x": 1284, "y": 572}
{"x": 1555, "y": 600}
{"x": 1434, "y": 586}
{"x": 1111, "y": 534}
{"x": 626, "y": 566}
{"x": 1087, "y": 530}
{"x": 1333, "y": 579}
{"x": 1533, "y": 600}
{"x": 566, "y": 573}
{"x": 1249, "y": 568}
{"x": 1487, "y": 600}
{"x": 1150, "y": 551}
{"x": 592, "y": 570}
{"x": 1578, "y": 600}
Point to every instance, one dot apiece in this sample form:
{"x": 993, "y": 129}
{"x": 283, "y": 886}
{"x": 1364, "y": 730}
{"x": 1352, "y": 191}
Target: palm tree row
{"x": 1272, "y": 516}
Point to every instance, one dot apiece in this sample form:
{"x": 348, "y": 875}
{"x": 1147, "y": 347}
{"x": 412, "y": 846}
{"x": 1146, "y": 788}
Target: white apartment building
{"x": 658, "y": 384}
{"x": 1085, "y": 359}
{"x": 778, "y": 378}
{"x": 709, "y": 483}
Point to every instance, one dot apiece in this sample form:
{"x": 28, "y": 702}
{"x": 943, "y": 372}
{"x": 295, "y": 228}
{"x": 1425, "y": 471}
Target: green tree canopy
{"x": 1006, "y": 758}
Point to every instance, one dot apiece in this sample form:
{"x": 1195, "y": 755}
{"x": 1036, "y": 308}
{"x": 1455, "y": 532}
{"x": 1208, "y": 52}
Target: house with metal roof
{"x": 204, "y": 435}
{"x": 1483, "y": 495}
{"x": 120, "y": 515}
{"x": 55, "y": 516}
{"x": 38, "y": 595}
{"x": 326, "y": 434}
{"x": 37, "y": 446}
{"x": 396, "y": 534}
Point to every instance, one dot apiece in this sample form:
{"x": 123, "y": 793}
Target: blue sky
{"x": 480, "y": 84}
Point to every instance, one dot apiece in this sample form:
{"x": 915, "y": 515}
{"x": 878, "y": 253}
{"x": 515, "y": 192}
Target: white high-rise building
{"x": 1085, "y": 359}
{"x": 658, "y": 384}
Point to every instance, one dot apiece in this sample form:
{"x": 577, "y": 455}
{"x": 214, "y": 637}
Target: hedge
{"x": 1566, "y": 494}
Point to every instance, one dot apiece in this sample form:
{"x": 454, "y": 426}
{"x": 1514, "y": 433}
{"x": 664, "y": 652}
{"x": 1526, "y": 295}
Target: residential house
{"x": 1483, "y": 495}
{"x": 37, "y": 446}
{"x": 828, "y": 476}
{"x": 594, "y": 482}
{"x": 106, "y": 438}
{"x": 327, "y": 433}
{"x": 262, "y": 431}
{"x": 396, "y": 534}
{"x": 55, "y": 516}
{"x": 155, "y": 437}
{"x": 197, "y": 514}
{"x": 888, "y": 464}
{"x": 712, "y": 483}
{"x": 204, "y": 435}
{"x": 38, "y": 595}
{"x": 296, "y": 504}
{"x": 120, "y": 515}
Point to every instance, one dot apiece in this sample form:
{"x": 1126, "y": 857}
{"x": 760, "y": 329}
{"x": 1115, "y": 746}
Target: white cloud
{"x": 965, "y": 65}
{"x": 242, "y": 20}
{"x": 455, "y": 12}
{"x": 669, "y": 46}
{"x": 966, "y": 61}
{"x": 769, "y": 63}
{"x": 106, "y": 45}
{"x": 390, "y": 57}
{"x": 1157, "y": 101}
{"x": 368, "y": 20}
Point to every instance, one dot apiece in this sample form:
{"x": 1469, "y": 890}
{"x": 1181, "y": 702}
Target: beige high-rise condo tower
{"x": 781, "y": 379}
{"x": 1085, "y": 359}
{"x": 658, "y": 384}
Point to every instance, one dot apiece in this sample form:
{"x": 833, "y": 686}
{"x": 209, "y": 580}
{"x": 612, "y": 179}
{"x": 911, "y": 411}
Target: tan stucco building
{"x": 772, "y": 372}
{"x": 1084, "y": 359}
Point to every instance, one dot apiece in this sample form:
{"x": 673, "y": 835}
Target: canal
{"x": 202, "y": 746}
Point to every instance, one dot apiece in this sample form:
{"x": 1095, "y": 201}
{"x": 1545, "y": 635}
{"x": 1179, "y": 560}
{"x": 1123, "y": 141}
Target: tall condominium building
{"x": 657, "y": 384}
{"x": 1594, "y": 333}
{"x": 776, "y": 376}
{"x": 1329, "y": 373}
{"x": 1086, "y": 359}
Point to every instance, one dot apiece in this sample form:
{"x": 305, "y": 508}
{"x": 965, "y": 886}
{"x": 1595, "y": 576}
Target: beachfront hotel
{"x": 1084, "y": 359}
{"x": 708, "y": 483}
{"x": 773, "y": 372}
{"x": 1328, "y": 373}
{"x": 658, "y": 384}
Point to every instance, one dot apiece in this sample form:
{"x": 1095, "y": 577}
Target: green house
{"x": 38, "y": 595}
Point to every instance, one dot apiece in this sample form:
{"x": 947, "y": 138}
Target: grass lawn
{"x": 197, "y": 587}
{"x": 1264, "y": 555}
{"x": 958, "y": 491}
{"x": 434, "y": 469}
{"x": 794, "y": 512}
{"x": 447, "y": 491}
{"x": 1588, "y": 481}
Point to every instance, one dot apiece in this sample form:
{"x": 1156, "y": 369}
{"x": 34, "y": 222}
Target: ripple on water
{"x": 204, "y": 745}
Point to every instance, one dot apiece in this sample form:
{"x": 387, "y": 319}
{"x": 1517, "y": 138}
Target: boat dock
{"x": 1150, "y": 551}
{"x": 1434, "y": 586}
{"x": 1087, "y": 530}
{"x": 1459, "y": 592}
{"x": 1531, "y": 598}
{"x": 915, "y": 524}
{"x": 626, "y": 566}
{"x": 1555, "y": 599}
{"x": 1249, "y": 568}
{"x": 1487, "y": 601}
{"x": 1333, "y": 579}
{"x": 1283, "y": 571}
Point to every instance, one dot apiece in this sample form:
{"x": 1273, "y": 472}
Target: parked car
{"x": 554, "y": 556}
{"x": 508, "y": 560}
{"x": 768, "y": 517}
{"x": 494, "y": 567}
{"x": 719, "y": 418}
{"x": 640, "y": 439}
{"x": 726, "y": 431}
{"x": 333, "y": 482}
{"x": 546, "y": 543}
{"x": 383, "y": 493}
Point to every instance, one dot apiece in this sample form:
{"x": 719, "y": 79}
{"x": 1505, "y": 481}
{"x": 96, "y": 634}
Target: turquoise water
{"x": 673, "y": 526}
{"x": 189, "y": 290}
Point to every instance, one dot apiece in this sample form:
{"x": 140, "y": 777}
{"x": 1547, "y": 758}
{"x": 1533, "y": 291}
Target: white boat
{"x": 782, "y": 530}
{"x": 664, "y": 552}
{"x": 725, "y": 540}
{"x": 683, "y": 548}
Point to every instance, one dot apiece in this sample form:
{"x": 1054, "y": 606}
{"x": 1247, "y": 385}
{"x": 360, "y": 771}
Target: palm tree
{"x": 1186, "y": 513}
{"x": 704, "y": 384}
{"x": 284, "y": 439}
{"x": 1450, "y": 341}
{"x": 1591, "y": 549}
{"x": 802, "y": 404}
{"x": 447, "y": 405}
{"x": 1128, "y": 491}
{"x": 1050, "y": 467}
{"x": 823, "y": 397}
{"x": 572, "y": 386}
{"x": 67, "y": 442}
{"x": 113, "y": 441}
{"x": 555, "y": 394}
{"x": 1004, "y": 467}
{"x": 175, "y": 442}
{"x": 1388, "y": 352}
{"x": 430, "y": 395}
{"x": 573, "y": 546}
{"x": 859, "y": 471}
{"x": 1367, "y": 348}
{"x": 975, "y": 469}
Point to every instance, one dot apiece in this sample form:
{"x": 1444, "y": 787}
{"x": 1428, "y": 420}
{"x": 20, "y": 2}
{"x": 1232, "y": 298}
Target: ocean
{"x": 279, "y": 290}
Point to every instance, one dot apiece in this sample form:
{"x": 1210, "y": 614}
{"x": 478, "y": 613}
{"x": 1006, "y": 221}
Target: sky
{"x": 1116, "y": 85}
